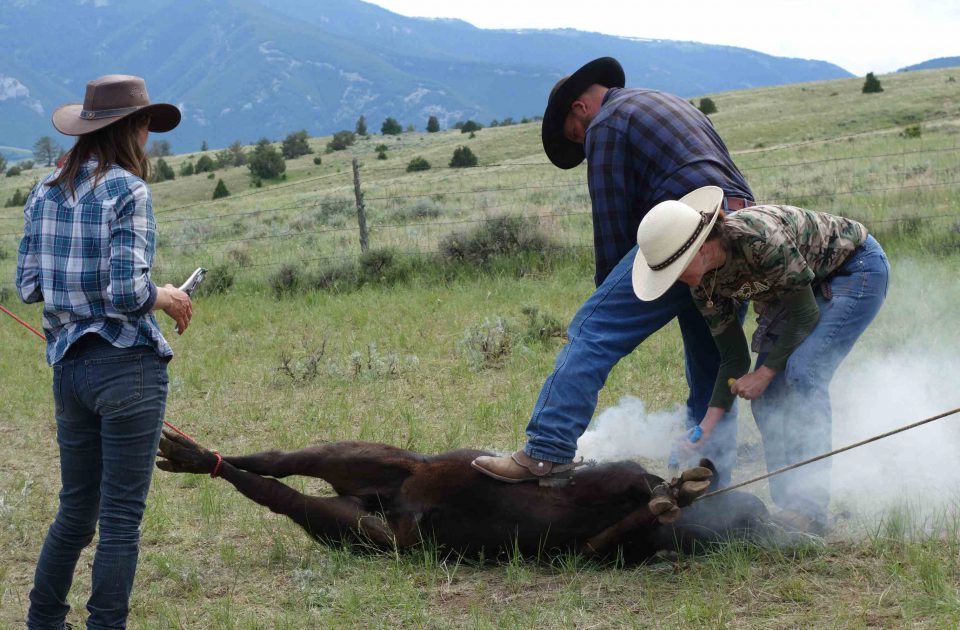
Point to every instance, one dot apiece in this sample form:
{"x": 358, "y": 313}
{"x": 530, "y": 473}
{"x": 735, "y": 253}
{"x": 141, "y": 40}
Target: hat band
{"x": 684, "y": 247}
{"x": 94, "y": 114}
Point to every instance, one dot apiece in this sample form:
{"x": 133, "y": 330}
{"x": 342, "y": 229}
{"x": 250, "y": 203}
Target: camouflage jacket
{"x": 772, "y": 250}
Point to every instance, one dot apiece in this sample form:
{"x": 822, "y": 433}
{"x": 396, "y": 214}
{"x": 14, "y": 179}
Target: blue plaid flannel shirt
{"x": 88, "y": 259}
{"x": 644, "y": 147}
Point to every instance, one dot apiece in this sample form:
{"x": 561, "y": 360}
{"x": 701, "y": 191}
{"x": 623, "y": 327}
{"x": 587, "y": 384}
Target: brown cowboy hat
{"x": 109, "y": 99}
{"x": 606, "y": 71}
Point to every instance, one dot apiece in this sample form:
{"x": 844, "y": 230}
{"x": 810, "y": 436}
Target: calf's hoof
{"x": 663, "y": 505}
{"x": 697, "y": 473}
{"x": 692, "y": 483}
{"x": 179, "y": 455}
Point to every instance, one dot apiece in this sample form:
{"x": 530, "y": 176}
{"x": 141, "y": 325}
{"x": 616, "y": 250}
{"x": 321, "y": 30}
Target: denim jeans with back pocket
{"x": 110, "y": 404}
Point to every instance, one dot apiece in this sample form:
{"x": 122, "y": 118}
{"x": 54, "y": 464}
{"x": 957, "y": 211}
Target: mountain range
{"x": 930, "y": 64}
{"x": 245, "y": 69}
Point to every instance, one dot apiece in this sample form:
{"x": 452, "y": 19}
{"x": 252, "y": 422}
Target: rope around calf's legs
{"x": 216, "y": 469}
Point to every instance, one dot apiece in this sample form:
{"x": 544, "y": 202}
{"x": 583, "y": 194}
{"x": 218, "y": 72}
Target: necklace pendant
{"x": 709, "y": 303}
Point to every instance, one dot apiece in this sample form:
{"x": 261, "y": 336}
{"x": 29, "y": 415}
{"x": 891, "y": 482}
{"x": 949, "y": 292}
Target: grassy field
{"x": 394, "y": 364}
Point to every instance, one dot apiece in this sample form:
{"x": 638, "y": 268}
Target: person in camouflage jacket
{"x": 816, "y": 281}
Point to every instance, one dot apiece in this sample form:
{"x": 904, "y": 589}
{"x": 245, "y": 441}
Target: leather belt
{"x": 737, "y": 203}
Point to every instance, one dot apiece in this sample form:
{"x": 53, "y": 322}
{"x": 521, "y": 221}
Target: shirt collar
{"x": 608, "y": 95}
{"x": 606, "y": 98}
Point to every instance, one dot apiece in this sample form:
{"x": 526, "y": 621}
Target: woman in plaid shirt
{"x": 88, "y": 245}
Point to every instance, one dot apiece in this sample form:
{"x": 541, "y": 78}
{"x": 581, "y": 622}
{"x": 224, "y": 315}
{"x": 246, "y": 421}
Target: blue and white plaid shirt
{"x": 644, "y": 147}
{"x": 88, "y": 258}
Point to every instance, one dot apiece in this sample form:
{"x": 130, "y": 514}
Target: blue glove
{"x": 693, "y": 436}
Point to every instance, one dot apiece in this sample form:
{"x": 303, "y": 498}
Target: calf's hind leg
{"x": 328, "y": 519}
{"x": 352, "y": 468}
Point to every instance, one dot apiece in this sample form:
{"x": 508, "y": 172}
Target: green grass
{"x": 389, "y": 364}
{"x": 213, "y": 559}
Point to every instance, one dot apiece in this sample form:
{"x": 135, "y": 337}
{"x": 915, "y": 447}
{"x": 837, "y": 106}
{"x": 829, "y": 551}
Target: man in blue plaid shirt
{"x": 642, "y": 147}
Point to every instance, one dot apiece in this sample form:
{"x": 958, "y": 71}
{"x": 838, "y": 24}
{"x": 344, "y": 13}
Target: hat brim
{"x": 648, "y": 284}
{"x": 565, "y": 154}
{"x": 66, "y": 119}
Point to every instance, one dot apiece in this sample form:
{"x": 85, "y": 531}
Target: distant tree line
{"x": 47, "y": 151}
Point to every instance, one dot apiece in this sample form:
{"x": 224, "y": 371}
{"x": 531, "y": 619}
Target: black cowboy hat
{"x": 606, "y": 71}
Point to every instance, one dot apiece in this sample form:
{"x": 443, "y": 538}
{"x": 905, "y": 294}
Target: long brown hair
{"x": 116, "y": 144}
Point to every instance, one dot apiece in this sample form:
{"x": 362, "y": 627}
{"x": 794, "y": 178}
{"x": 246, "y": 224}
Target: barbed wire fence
{"x": 336, "y": 217}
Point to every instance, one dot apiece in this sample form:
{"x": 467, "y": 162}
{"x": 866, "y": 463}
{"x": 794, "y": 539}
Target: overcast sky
{"x": 858, "y": 35}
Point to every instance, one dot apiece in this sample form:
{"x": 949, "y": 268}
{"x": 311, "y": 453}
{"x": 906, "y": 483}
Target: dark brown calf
{"x": 393, "y": 498}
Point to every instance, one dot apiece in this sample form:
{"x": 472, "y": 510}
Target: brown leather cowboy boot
{"x": 520, "y": 467}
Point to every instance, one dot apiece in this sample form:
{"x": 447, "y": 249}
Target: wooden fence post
{"x": 361, "y": 214}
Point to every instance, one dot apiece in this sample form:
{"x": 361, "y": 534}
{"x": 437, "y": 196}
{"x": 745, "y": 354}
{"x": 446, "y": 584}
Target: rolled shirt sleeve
{"x": 28, "y": 265}
{"x": 132, "y": 235}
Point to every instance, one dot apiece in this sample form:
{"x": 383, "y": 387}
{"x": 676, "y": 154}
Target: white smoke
{"x": 904, "y": 369}
{"x": 919, "y": 466}
{"x": 627, "y": 431}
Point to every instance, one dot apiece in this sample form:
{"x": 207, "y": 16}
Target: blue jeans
{"x": 793, "y": 414}
{"x": 608, "y": 327}
{"x": 109, "y": 407}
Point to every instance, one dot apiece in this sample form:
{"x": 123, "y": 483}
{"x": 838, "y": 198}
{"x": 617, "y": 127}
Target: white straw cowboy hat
{"x": 109, "y": 99}
{"x": 668, "y": 238}
{"x": 606, "y": 71}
